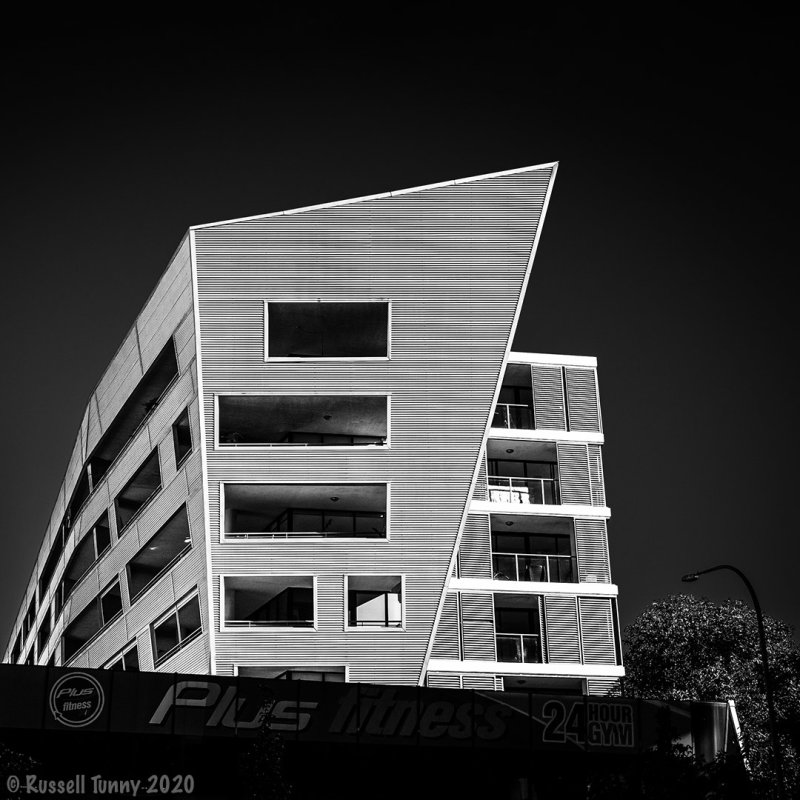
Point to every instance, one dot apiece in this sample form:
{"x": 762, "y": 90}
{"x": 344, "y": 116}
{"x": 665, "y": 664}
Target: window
{"x": 374, "y": 601}
{"x": 16, "y": 651}
{"x": 127, "y": 660}
{"x": 137, "y": 408}
{"x": 176, "y": 629}
{"x": 99, "y": 613}
{"x": 537, "y": 548}
{"x": 138, "y": 491}
{"x": 310, "y": 510}
{"x": 327, "y": 330}
{"x": 44, "y": 633}
{"x": 171, "y": 542}
{"x": 302, "y": 420}
{"x": 317, "y": 673}
{"x": 85, "y": 555}
{"x": 182, "y": 437}
{"x": 518, "y": 622}
{"x": 30, "y": 617}
{"x": 269, "y": 601}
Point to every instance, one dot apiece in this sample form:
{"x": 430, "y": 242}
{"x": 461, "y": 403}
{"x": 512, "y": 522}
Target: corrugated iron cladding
{"x": 452, "y": 261}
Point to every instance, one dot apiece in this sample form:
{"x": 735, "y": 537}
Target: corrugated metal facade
{"x": 452, "y": 261}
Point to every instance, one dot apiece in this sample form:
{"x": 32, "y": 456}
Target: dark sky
{"x": 665, "y": 253}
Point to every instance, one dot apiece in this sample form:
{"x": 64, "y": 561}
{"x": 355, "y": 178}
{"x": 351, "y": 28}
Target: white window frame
{"x": 313, "y": 359}
{"x": 267, "y": 629}
{"x": 293, "y": 539}
{"x": 372, "y": 628}
{"x": 305, "y": 448}
{"x": 173, "y": 609}
{"x": 133, "y": 645}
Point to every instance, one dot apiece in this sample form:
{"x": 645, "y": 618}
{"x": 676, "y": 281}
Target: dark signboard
{"x": 209, "y": 705}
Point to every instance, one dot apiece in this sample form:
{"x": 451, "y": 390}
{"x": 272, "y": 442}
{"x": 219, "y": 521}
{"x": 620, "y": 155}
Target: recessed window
{"x": 85, "y": 555}
{"x": 176, "y": 629}
{"x": 533, "y": 548}
{"x": 16, "y": 651}
{"x": 374, "y": 601}
{"x": 302, "y": 420}
{"x": 44, "y": 633}
{"x": 327, "y": 330}
{"x": 30, "y": 617}
{"x": 171, "y": 542}
{"x": 518, "y": 622}
{"x": 269, "y": 601}
{"x": 315, "y": 510}
{"x": 99, "y": 613}
{"x": 137, "y": 491}
{"x": 318, "y": 674}
{"x": 182, "y": 437}
{"x": 126, "y": 661}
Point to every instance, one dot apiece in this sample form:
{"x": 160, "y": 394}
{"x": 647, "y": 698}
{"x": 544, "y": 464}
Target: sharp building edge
{"x": 315, "y": 457}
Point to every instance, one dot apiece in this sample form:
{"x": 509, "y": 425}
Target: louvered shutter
{"x": 573, "y": 474}
{"x": 477, "y": 626}
{"x": 603, "y": 686}
{"x": 596, "y": 475}
{"x": 597, "y": 631}
{"x": 561, "y": 629}
{"x": 548, "y": 398}
{"x": 591, "y": 545}
{"x": 443, "y": 680}
{"x": 445, "y": 643}
{"x": 475, "y": 550}
{"x": 481, "y": 484}
{"x": 583, "y": 410}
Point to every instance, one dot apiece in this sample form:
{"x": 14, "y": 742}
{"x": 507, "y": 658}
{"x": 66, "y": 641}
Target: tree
{"x": 688, "y": 648}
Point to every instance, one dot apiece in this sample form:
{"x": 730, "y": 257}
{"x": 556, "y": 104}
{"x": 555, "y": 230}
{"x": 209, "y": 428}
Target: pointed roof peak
{"x": 381, "y": 195}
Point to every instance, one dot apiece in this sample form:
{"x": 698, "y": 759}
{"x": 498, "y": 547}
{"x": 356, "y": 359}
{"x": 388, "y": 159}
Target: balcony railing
{"x": 524, "y": 567}
{"x": 269, "y": 623}
{"x": 537, "y": 491}
{"x": 519, "y": 648}
{"x": 513, "y": 415}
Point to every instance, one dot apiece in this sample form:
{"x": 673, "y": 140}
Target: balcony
{"x": 538, "y": 568}
{"x": 519, "y": 648}
{"x": 536, "y": 491}
{"x": 514, "y": 416}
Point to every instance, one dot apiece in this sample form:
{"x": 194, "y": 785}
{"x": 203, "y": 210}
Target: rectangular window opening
{"x": 269, "y": 601}
{"x": 374, "y": 601}
{"x": 175, "y": 630}
{"x": 518, "y": 622}
{"x": 103, "y": 610}
{"x": 138, "y": 491}
{"x": 172, "y": 541}
{"x": 328, "y": 330}
{"x": 302, "y": 420}
{"x": 318, "y": 674}
{"x": 182, "y": 437}
{"x": 533, "y": 549}
{"x": 287, "y": 510}
{"x": 126, "y": 661}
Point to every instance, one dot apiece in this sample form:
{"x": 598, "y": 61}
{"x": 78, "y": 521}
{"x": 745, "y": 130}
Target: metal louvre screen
{"x": 561, "y": 623}
{"x": 548, "y": 398}
{"x": 477, "y": 627}
{"x": 597, "y": 631}
{"x": 596, "y": 475}
{"x": 603, "y": 686}
{"x": 582, "y": 405}
{"x": 591, "y": 544}
{"x": 445, "y": 643}
{"x": 481, "y": 484}
{"x": 573, "y": 474}
{"x": 475, "y": 550}
{"x": 443, "y": 680}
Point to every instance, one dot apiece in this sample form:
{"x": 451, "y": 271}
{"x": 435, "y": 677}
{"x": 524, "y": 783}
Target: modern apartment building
{"x": 313, "y": 457}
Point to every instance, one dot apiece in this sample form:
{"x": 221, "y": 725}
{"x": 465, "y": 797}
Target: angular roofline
{"x": 381, "y": 195}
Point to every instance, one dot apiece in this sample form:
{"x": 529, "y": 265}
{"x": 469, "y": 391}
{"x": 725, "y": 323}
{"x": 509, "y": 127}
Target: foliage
{"x": 14, "y": 763}
{"x": 688, "y": 648}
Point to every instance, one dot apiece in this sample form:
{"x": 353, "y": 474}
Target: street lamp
{"x": 773, "y": 725}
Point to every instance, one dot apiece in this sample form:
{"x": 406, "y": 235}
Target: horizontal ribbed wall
{"x": 597, "y": 630}
{"x": 477, "y": 627}
{"x": 452, "y": 261}
{"x": 582, "y": 404}
{"x": 563, "y": 637}
{"x": 475, "y": 550}
{"x": 548, "y": 398}
{"x": 446, "y": 641}
{"x": 591, "y": 544}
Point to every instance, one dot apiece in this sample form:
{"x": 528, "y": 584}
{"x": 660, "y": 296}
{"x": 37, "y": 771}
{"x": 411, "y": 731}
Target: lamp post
{"x": 773, "y": 725}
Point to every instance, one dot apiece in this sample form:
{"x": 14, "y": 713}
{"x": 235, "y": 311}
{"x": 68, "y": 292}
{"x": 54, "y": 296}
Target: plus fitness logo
{"x": 76, "y": 700}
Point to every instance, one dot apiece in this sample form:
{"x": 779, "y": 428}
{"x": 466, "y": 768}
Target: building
{"x": 313, "y": 456}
